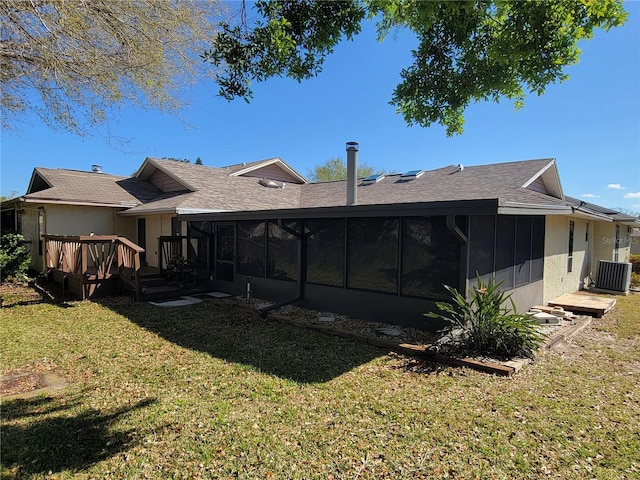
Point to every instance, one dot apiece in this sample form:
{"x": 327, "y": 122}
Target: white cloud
{"x": 632, "y": 195}
{"x": 615, "y": 186}
{"x": 589, "y": 195}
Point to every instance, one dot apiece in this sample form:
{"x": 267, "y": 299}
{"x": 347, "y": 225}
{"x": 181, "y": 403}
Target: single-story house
{"x": 380, "y": 247}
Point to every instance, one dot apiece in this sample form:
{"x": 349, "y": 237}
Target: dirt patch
{"x": 30, "y": 381}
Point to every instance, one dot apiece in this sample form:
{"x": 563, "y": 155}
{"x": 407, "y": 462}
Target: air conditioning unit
{"x": 614, "y": 276}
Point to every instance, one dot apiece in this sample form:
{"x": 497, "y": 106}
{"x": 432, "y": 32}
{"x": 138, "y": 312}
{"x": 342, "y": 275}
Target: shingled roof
{"x": 190, "y": 188}
{"x": 87, "y": 188}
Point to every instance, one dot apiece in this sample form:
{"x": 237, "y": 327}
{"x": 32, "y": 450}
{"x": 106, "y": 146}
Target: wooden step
{"x": 160, "y": 292}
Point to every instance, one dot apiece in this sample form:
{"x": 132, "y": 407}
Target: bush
{"x": 635, "y": 263}
{"x": 14, "y": 257}
{"x": 483, "y": 325}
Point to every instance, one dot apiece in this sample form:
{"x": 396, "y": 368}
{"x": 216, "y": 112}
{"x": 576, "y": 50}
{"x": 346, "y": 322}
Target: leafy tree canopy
{"x": 71, "y": 61}
{"x": 335, "y": 169}
{"x": 468, "y": 51}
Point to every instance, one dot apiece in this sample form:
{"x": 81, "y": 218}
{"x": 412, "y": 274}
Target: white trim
{"x": 552, "y": 182}
{"x": 78, "y": 202}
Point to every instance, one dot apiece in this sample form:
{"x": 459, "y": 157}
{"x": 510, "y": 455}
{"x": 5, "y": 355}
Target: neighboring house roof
{"x": 598, "y": 210}
{"x": 53, "y": 185}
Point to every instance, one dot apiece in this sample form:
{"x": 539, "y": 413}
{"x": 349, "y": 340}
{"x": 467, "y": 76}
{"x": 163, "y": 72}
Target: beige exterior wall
{"x": 156, "y": 225}
{"x": 79, "y": 220}
{"x": 70, "y": 220}
{"x": 605, "y": 241}
{"x": 30, "y": 233}
{"x": 557, "y": 279}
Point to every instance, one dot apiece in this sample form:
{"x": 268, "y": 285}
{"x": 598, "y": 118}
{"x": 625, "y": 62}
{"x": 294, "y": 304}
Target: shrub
{"x": 483, "y": 325}
{"x": 635, "y": 270}
{"x": 14, "y": 257}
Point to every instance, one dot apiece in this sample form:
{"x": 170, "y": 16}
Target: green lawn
{"x": 207, "y": 391}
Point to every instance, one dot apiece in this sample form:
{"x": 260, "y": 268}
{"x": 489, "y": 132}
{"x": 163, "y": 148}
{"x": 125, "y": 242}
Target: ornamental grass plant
{"x": 483, "y": 324}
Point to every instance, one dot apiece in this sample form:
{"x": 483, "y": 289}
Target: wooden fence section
{"x": 92, "y": 265}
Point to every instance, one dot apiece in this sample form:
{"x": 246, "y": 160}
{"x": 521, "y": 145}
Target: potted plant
{"x": 179, "y": 269}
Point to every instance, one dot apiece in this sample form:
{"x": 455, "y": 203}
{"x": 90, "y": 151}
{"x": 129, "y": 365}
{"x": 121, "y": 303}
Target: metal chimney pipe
{"x": 352, "y": 172}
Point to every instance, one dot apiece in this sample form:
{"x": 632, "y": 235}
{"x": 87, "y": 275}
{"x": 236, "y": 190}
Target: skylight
{"x": 412, "y": 174}
{"x": 373, "y": 179}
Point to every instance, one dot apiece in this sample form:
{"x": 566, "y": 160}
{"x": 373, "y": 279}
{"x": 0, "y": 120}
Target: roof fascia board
{"x": 513, "y": 208}
{"x": 551, "y": 179}
{"x": 151, "y": 211}
{"x": 266, "y": 163}
{"x": 460, "y": 207}
{"x": 76, "y": 202}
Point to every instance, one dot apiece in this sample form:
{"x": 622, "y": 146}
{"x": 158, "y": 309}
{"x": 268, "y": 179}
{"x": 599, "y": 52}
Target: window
{"x": 176, "y": 230}
{"x": 570, "y": 260}
{"x": 430, "y": 257}
{"x": 372, "y": 254}
{"x": 250, "y": 255}
{"x": 586, "y": 233}
{"x": 325, "y": 251}
{"x": 616, "y": 250}
{"x": 282, "y": 250}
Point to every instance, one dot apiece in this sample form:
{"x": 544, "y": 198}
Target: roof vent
{"x": 411, "y": 174}
{"x": 460, "y": 167}
{"x": 265, "y": 182}
{"x": 95, "y": 168}
{"x": 373, "y": 179}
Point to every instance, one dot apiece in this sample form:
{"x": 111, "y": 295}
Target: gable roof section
{"x": 272, "y": 168}
{"x": 75, "y": 187}
{"x": 546, "y": 181}
{"x": 215, "y": 190}
{"x": 152, "y": 166}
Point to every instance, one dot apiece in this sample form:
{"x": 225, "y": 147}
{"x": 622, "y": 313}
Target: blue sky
{"x": 590, "y": 124}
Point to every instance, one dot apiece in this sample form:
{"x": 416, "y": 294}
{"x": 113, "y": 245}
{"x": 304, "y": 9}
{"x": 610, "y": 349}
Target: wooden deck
{"x": 589, "y": 304}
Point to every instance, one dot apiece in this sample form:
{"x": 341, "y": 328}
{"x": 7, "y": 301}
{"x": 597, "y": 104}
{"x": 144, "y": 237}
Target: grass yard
{"x": 210, "y": 392}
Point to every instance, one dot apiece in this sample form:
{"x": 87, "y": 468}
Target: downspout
{"x": 464, "y": 250}
{"x": 302, "y": 257}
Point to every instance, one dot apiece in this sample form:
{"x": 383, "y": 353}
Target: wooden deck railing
{"x": 169, "y": 247}
{"x": 88, "y": 263}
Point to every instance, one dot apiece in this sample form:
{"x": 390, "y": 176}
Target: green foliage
{"x": 468, "y": 51}
{"x": 483, "y": 325}
{"x": 635, "y": 263}
{"x": 335, "y": 169}
{"x": 291, "y": 38}
{"x": 14, "y": 257}
{"x": 199, "y": 161}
